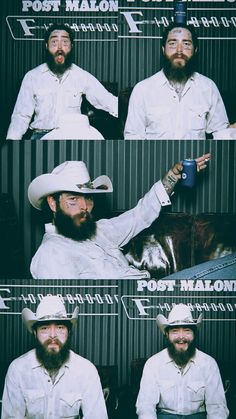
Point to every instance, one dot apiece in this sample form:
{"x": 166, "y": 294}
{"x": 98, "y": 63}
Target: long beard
{"x": 50, "y": 359}
{"x": 66, "y": 225}
{"x": 181, "y": 358}
{"x": 177, "y": 73}
{"x": 55, "y": 67}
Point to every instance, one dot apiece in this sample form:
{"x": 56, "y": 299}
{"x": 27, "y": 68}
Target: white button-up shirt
{"x": 99, "y": 257}
{"x": 156, "y": 112}
{"x": 48, "y": 98}
{"x": 30, "y": 393}
{"x": 198, "y": 388}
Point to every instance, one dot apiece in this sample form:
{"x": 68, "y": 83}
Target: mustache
{"x": 179, "y": 340}
{"x": 51, "y": 340}
{"x": 59, "y": 52}
{"x": 84, "y": 214}
{"x": 179, "y": 55}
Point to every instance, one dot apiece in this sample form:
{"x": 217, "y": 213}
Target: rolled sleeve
{"x": 149, "y": 394}
{"x": 135, "y": 126}
{"x": 126, "y": 226}
{"x": 23, "y": 110}
{"x": 99, "y": 97}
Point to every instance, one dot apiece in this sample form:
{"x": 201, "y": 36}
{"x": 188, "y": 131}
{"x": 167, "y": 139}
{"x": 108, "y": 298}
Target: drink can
{"x": 180, "y": 12}
{"x": 189, "y": 173}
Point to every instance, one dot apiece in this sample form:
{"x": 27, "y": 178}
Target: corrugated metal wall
{"x": 133, "y": 167}
{"x": 139, "y": 337}
{"x": 139, "y": 54}
{"x": 112, "y": 332}
{"x": 99, "y": 57}
{"x": 113, "y": 59}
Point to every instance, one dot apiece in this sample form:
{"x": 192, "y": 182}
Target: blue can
{"x": 189, "y": 173}
{"x": 180, "y": 12}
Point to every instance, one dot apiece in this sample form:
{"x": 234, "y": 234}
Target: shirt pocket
{"x": 158, "y": 119}
{"x": 70, "y": 404}
{"x": 196, "y": 390}
{"x": 72, "y": 99}
{"x": 44, "y": 101}
{"x": 167, "y": 392}
{"x": 35, "y": 404}
{"x": 197, "y": 118}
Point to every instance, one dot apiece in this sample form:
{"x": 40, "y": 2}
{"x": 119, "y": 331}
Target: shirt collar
{"x": 37, "y": 364}
{"x": 45, "y": 69}
{"x": 167, "y": 359}
{"x": 163, "y": 79}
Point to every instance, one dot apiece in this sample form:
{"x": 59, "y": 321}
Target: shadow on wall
{"x": 12, "y": 258}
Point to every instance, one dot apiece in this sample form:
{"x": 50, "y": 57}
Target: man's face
{"x": 181, "y": 344}
{"x": 180, "y": 337}
{"x": 77, "y": 206}
{"x": 72, "y": 215}
{"x": 52, "y": 345}
{"x": 52, "y": 336}
{"x": 179, "y": 55}
{"x": 179, "y": 47}
{"x": 59, "y": 49}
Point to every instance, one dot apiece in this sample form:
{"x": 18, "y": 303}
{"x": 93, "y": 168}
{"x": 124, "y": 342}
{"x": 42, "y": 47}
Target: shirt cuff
{"x": 162, "y": 194}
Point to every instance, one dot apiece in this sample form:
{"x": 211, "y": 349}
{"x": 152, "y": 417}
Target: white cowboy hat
{"x": 71, "y": 176}
{"x": 51, "y": 308}
{"x": 73, "y": 127}
{"x": 180, "y": 315}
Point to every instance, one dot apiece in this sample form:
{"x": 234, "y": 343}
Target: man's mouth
{"x": 60, "y": 57}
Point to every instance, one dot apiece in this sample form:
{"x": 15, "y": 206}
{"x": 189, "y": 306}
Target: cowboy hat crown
{"x": 180, "y": 315}
{"x": 51, "y": 308}
{"x": 70, "y": 176}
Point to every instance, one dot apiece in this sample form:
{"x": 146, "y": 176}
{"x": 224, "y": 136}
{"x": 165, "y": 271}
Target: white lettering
{"x": 133, "y": 28}
{"x": 2, "y": 299}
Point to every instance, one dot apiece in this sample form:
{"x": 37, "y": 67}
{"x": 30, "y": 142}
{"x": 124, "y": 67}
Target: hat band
{"x": 181, "y": 322}
{"x": 54, "y": 316}
{"x": 89, "y": 185}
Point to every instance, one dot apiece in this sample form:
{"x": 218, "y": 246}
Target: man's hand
{"x": 174, "y": 174}
{"x": 202, "y": 161}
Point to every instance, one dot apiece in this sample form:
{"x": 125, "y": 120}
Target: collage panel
{"x": 158, "y": 320}
{"x": 120, "y": 251}
{"x": 59, "y": 70}
{"x": 177, "y": 69}
{"x": 116, "y": 328}
{"x": 55, "y": 351}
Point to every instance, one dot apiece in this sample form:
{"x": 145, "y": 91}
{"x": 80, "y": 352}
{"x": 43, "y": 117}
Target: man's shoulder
{"x": 204, "y": 357}
{"x": 203, "y": 80}
{"x": 155, "y": 78}
{"x": 78, "y": 361}
{"x": 76, "y": 70}
{"x": 159, "y": 357}
{"x": 24, "y": 361}
{"x": 34, "y": 72}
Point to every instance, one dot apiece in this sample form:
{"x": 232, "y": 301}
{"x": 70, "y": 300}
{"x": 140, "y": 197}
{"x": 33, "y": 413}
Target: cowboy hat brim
{"x": 51, "y": 183}
{"x": 163, "y": 323}
{"x": 29, "y": 318}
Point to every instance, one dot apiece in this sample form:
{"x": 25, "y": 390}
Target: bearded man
{"x": 51, "y": 381}
{"x": 52, "y": 92}
{"x": 177, "y": 102}
{"x": 181, "y": 381}
{"x": 74, "y": 246}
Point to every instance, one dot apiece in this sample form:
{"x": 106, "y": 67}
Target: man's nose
{"x": 53, "y": 331}
{"x": 179, "y": 47}
{"x": 59, "y": 44}
{"x": 83, "y": 204}
{"x": 181, "y": 334}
